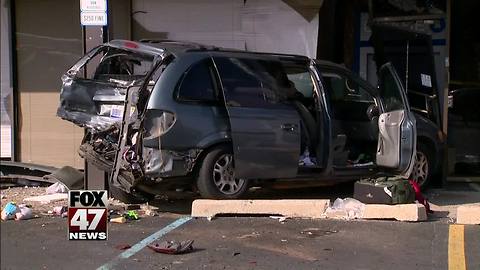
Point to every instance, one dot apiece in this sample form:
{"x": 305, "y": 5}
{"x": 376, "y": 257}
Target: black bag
{"x": 384, "y": 190}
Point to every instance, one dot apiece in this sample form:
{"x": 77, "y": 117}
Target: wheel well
{"x": 205, "y": 151}
{"x": 428, "y": 143}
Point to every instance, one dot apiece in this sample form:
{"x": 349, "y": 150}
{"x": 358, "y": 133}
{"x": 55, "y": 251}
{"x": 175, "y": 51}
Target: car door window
{"x": 343, "y": 88}
{"x": 390, "y": 92}
{"x": 197, "y": 84}
{"x": 250, "y": 82}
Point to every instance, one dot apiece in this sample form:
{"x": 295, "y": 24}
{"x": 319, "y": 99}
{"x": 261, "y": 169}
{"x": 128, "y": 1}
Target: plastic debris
{"x": 118, "y": 220}
{"x": 172, "y": 247}
{"x": 9, "y": 211}
{"x": 349, "y": 207}
{"x": 57, "y": 188}
{"x": 131, "y": 215}
{"x": 280, "y": 219}
{"x": 60, "y": 211}
{"x": 23, "y": 212}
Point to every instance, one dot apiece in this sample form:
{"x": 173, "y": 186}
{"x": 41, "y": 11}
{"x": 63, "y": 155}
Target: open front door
{"x": 265, "y": 130}
{"x": 397, "y": 126}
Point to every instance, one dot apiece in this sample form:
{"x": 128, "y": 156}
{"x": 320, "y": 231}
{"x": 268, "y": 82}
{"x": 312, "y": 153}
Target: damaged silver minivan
{"x": 161, "y": 115}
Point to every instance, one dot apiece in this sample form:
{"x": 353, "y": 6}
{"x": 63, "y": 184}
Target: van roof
{"x": 175, "y": 47}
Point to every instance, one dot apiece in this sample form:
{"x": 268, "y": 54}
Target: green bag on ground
{"x": 384, "y": 190}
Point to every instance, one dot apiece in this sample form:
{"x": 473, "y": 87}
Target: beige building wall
{"x": 48, "y": 41}
{"x": 44, "y": 138}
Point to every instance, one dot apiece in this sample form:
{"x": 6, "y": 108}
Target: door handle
{"x": 289, "y": 127}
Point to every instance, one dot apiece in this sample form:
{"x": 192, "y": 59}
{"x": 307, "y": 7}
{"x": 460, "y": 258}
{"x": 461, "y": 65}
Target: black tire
{"x": 206, "y": 179}
{"x": 425, "y": 156}
{"x": 129, "y": 198}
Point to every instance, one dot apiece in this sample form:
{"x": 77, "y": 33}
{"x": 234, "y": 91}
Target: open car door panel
{"x": 265, "y": 131}
{"x": 397, "y": 126}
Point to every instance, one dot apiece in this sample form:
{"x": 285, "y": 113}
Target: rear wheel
{"x": 216, "y": 177}
{"x": 423, "y": 167}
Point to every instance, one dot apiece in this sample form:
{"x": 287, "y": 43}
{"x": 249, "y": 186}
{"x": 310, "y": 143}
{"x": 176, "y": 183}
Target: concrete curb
{"x": 468, "y": 214}
{"x": 286, "y": 208}
{"x": 400, "y": 212}
{"x": 304, "y": 209}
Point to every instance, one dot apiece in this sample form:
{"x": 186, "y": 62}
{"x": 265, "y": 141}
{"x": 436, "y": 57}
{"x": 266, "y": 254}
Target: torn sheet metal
{"x": 96, "y": 102}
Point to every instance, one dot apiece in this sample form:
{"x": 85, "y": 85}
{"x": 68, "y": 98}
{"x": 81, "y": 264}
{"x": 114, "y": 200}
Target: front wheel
{"x": 216, "y": 177}
{"x": 423, "y": 167}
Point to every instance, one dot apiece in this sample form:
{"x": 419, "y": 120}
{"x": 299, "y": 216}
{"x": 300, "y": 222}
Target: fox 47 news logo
{"x": 87, "y": 214}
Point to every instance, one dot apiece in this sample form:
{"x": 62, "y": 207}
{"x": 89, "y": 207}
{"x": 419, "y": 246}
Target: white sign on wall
{"x": 93, "y": 12}
{"x": 93, "y": 18}
{"x": 93, "y": 5}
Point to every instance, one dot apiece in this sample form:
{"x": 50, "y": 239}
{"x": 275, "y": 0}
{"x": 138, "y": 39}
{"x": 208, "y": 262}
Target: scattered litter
{"x": 23, "y": 212}
{"x": 123, "y": 246}
{"x": 2, "y": 196}
{"x": 236, "y": 253}
{"x": 60, "y": 211}
{"x": 44, "y": 199}
{"x": 118, "y": 220}
{"x": 148, "y": 210}
{"x": 284, "y": 240}
{"x": 131, "y": 215}
{"x": 210, "y": 218}
{"x": 254, "y": 234}
{"x": 172, "y": 247}
{"x": 57, "y": 188}
{"x": 348, "y": 208}
{"x": 9, "y": 211}
{"x": 316, "y": 232}
{"x": 280, "y": 219}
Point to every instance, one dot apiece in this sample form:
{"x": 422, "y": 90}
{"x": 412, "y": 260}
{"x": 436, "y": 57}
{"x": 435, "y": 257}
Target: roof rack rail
{"x": 177, "y": 42}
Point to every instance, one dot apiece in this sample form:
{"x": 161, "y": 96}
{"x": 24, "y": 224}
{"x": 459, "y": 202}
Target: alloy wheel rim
{"x": 420, "y": 169}
{"x": 224, "y": 175}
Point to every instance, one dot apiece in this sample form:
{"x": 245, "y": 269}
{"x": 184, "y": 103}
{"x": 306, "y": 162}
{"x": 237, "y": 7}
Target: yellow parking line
{"x": 456, "y": 248}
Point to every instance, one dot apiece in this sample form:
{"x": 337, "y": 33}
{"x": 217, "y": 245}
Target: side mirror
{"x": 372, "y": 111}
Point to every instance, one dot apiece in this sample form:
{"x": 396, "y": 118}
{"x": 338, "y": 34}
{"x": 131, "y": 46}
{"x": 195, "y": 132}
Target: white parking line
{"x": 140, "y": 245}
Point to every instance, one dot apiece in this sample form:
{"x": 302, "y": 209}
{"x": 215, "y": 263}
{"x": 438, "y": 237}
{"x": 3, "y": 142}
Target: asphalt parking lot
{"x": 251, "y": 242}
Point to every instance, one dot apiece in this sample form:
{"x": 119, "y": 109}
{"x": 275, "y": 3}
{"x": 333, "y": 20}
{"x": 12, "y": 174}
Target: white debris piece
{"x": 57, "y": 187}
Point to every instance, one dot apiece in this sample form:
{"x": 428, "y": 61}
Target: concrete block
{"x": 401, "y": 212}
{"x": 468, "y": 214}
{"x": 287, "y": 208}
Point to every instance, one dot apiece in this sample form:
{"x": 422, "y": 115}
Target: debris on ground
{"x": 69, "y": 176}
{"x": 250, "y": 235}
{"x": 9, "y": 211}
{"x": 131, "y": 215}
{"x": 57, "y": 188}
{"x": 236, "y": 253}
{"x": 59, "y": 211}
{"x": 172, "y": 247}
{"x": 148, "y": 210}
{"x": 316, "y": 232}
{"x": 347, "y": 208}
{"x": 45, "y": 199}
{"x": 23, "y": 212}
{"x": 121, "y": 219}
{"x": 123, "y": 246}
{"x": 280, "y": 219}
{"x": 17, "y": 212}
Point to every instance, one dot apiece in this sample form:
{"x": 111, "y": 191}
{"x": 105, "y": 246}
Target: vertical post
{"x": 93, "y": 36}
{"x": 446, "y": 158}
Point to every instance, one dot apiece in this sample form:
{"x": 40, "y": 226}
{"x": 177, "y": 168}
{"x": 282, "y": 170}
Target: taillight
{"x": 157, "y": 125}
